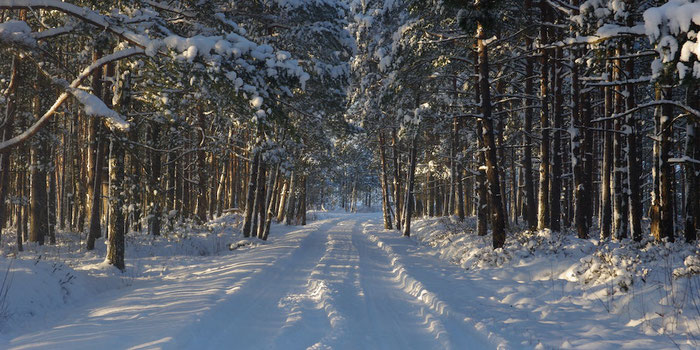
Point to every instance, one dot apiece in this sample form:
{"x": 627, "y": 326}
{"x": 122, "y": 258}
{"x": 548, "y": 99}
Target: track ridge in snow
{"x": 421, "y": 293}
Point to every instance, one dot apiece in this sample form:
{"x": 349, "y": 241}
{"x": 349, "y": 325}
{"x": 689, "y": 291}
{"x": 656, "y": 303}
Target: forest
{"x": 132, "y": 117}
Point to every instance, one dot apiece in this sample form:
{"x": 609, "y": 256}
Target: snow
{"x": 94, "y": 106}
{"x": 14, "y": 31}
{"x": 669, "y": 27}
{"x": 343, "y": 282}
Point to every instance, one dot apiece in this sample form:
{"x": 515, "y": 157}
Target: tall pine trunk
{"x": 492, "y": 172}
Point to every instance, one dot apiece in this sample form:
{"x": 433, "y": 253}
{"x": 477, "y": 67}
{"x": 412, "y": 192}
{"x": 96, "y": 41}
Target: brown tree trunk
{"x": 397, "y": 178}
{"x": 577, "y": 148}
{"x": 95, "y": 164}
{"x": 556, "y": 166}
{"x": 529, "y": 204}
{"x": 408, "y": 203}
{"x": 291, "y": 199}
{"x": 154, "y": 220}
{"x": 385, "y": 185}
{"x": 607, "y": 167}
{"x": 665, "y": 191}
{"x": 201, "y": 209}
{"x": 38, "y": 208}
{"x": 692, "y": 168}
{"x": 250, "y": 196}
{"x": 633, "y": 161}
{"x": 543, "y": 207}
{"x": 117, "y": 230}
{"x": 492, "y": 171}
{"x": 5, "y": 134}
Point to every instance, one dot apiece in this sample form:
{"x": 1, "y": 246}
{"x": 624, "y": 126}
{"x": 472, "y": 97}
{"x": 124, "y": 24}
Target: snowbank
{"x": 644, "y": 295}
{"x": 43, "y": 282}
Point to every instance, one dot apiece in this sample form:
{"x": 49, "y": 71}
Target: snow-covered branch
{"x": 92, "y": 104}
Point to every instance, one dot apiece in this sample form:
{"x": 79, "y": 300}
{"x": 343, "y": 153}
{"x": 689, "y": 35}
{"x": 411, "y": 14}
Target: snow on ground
{"x": 342, "y": 282}
{"x": 564, "y": 292}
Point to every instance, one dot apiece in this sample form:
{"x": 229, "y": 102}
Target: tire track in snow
{"x": 416, "y": 289}
{"x": 250, "y": 313}
{"x": 429, "y": 323}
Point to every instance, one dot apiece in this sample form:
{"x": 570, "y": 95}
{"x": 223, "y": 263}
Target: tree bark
{"x": 385, "y": 185}
{"x": 607, "y": 167}
{"x": 154, "y": 179}
{"x": 529, "y": 203}
{"x": 492, "y": 171}
{"x": 397, "y": 178}
{"x": 95, "y": 161}
{"x": 38, "y": 208}
{"x": 250, "y": 196}
{"x": 408, "y": 203}
{"x": 5, "y": 134}
{"x": 543, "y": 207}
{"x": 692, "y": 168}
{"x": 556, "y": 162}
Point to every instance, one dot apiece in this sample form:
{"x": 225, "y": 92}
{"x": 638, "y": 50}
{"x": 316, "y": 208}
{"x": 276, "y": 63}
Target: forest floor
{"x": 341, "y": 282}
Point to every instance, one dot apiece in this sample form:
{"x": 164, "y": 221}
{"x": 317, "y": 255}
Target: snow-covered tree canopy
{"x": 206, "y": 39}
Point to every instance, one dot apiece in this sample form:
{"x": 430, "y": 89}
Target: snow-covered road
{"x": 337, "y": 283}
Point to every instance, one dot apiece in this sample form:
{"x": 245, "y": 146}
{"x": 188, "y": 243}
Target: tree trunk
{"x": 633, "y": 162}
{"x": 201, "y": 210}
{"x": 250, "y": 195}
{"x": 543, "y": 208}
{"x": 386, "y": 209}
{"x": 117, "y": 229}
{"x": 270, "y": 212}
{"x": 607, "y": 167}
{"x": 155, "y": 175}
{"x": 291, "y": 199}
{"x": 283, "y": 201}
{"x": 492, "y": 171}
{"x": 38, "y": 209}
{"x": 95, "y": 162}
{"x": 5, "y": 134}
{"x": 408, "y": 203}
{"x": 529, "y": 203}
{"x": 665, "y": 191}
{"x": 577, "y": 148}
{"x": 620, "y": 191}
{"x": 556, "y": 163}
{"x": 260, "y": 203}
{"x": 692, "y": 168}
{"x": 397, "y": 178}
